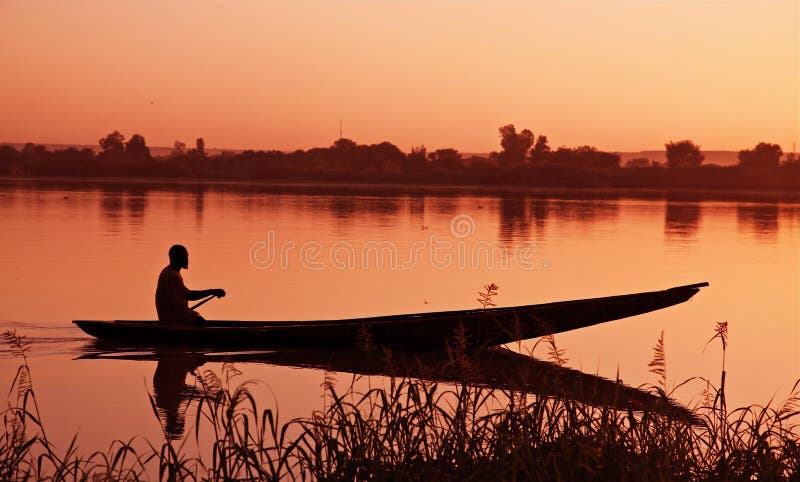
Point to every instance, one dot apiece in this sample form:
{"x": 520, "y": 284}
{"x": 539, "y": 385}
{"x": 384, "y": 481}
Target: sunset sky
{"x": 619, "y": 76}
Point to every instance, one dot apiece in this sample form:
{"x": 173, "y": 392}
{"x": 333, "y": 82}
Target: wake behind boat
{"x": 421, "y": 331}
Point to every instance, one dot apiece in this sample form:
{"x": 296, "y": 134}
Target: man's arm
{"x": 193, "y": 295}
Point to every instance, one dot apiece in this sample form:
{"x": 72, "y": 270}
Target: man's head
{"x": 179, "y": 256}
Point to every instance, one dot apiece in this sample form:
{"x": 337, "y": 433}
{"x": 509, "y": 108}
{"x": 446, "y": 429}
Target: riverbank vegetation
{"x": 412, "y": 429}
{"x": 523, "y": 160}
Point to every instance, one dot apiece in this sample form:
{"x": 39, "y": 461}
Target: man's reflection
{"x": 170, "y": 390}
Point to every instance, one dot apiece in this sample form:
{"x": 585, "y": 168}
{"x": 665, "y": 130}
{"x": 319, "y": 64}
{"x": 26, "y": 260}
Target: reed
{"x": 410, "y": 429}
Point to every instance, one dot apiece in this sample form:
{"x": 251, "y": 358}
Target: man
{"x": 172, "y": 296}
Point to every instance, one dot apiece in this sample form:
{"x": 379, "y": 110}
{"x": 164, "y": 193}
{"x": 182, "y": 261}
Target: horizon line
{"x": 237, "y": 149}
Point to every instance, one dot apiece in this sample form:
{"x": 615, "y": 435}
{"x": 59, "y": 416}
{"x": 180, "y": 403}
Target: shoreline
{"x": 395, "y": 188}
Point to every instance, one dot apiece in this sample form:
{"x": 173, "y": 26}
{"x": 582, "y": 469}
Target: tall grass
{"x": 410, "y": 429}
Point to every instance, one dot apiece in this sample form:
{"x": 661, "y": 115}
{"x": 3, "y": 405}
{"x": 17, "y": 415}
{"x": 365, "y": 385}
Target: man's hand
{"x": 219, "y": 293}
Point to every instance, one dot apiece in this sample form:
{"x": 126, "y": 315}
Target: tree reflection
{"x": 199, "y": 206}
{"x": 8, "y": 199}
{"x": 111, "y": 208}
{"x": 585, "y": 210}
{"x": 416, "y": 208}
{"x": 515, "y": 220}
{"x": 681, "y": 220}
{"x": 759, "y": 219}
{"x": 540, "y": 210}
{"x": 135, "y": 205}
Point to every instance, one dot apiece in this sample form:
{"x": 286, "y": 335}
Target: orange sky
{"x": 619, "y": 76}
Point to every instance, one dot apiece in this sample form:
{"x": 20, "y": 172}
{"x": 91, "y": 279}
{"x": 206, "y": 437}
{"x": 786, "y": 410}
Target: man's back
{"x": 172, "y": 301}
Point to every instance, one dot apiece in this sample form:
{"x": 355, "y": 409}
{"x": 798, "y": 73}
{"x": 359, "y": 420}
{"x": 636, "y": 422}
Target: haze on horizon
{"x": 618, "y": 76}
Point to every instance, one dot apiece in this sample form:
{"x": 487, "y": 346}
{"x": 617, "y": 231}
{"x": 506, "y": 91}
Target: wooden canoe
{"x": 422, "y": 331}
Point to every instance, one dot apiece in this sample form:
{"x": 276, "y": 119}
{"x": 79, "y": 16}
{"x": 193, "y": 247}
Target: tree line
{"x": 523, "y": 159}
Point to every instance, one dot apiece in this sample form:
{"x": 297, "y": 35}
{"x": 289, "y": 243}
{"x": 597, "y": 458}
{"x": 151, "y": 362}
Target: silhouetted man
{"x": 172, "y": 296}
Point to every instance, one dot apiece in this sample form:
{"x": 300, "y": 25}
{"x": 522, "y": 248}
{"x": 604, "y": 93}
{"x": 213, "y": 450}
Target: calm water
{"x": 85, "y": 251}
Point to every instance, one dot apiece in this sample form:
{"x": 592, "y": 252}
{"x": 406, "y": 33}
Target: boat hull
{"x": 424, "y": 331}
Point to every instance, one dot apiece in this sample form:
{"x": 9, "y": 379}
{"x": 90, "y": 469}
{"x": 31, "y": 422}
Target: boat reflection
{"x": 494, "y": 368}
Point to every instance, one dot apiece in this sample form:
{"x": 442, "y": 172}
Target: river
{"x": 92, "y": 250}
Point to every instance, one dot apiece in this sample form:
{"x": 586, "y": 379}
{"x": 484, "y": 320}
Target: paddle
{"x": 209, "y": 298}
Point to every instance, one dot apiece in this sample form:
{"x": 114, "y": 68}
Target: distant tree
{"x": 87, "y": 152}
{"x": 515, "y": 145}
{"x": 540, "y": 151}
{"x": 448, "y": 158}
{"x": 792, "y": 159}
{"x": 418, "y": 153}
{"x": 344, "y": 144}
{"x": 316, "y": 155}
{"x": 343, "y": 151}
{"x": 585, "y": 156}
{"x": 416, "y": 159}
{"x": 69, "y": 152}
{"x": 684, "y": 154}
{"x": 136, "y": 147}
{"x": 8, "y": 159}
{"x": 178, "y": 149}
{"x": 387, "y": 152}
{"x": 31, "y": 151}
{"x": 8, "y": 153}
{"x": 113, "y": 143}
{"x": 638, "y": 162}
{"x": 763, "y": 155}
{"x": 199, "y": 150}
{"x": 28, "y": 150}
